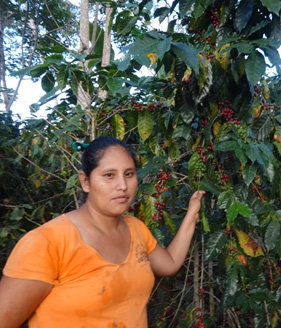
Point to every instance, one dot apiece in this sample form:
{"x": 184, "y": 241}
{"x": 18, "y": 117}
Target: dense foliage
{"x": 204, "y": 119}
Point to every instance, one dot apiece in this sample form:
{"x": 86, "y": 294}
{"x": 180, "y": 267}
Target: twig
{"x": 155, "y": 289}
{"x": 184, "y": 286}
{"x": 75, "y": 199}
{"x": 41, "y": 169}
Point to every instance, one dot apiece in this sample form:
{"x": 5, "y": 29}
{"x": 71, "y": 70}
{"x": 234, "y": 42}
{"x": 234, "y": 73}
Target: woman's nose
{"x": 121, "y": 183}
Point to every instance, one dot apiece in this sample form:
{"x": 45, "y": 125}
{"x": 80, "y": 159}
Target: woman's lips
{"x": 121, "y": 199}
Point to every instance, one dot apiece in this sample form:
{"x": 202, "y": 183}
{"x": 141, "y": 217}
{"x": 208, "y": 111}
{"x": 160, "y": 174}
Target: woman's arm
{"x": 166, "y": 262}
{"x": 19, "y": 298}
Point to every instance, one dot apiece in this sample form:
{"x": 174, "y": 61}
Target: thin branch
{"x": 64, "y": 152}
{"x": 184, "y": 286}
{"x": 40, "y": 168}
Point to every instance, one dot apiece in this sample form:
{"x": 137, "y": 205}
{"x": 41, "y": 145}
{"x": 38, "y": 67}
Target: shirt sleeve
{"x": 151, "y": 242}
{"x": 34, "y": 257}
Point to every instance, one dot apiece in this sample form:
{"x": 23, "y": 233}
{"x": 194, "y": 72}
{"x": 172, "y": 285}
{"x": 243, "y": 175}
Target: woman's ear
{"x": 84, "y": 181}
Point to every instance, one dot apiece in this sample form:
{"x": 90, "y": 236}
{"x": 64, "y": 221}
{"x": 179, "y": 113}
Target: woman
{"x": 93, "y": 267}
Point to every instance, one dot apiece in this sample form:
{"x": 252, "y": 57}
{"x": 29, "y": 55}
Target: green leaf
{"x": 184, "y": 6}
{"x": 227, "y": 145}
{"x": 225, "y": 199}
{"x": 255, "y": 67}
{"x": 242, "y": 48}
{"x": 174, "y": 151}
{"x": 126, "y": 25}
{"x": 72, "y": 182}
{"x": 145, "y": 124}
{"x": 27, "y": 206}
{"x": 119, "y": 126}
{"x": 163, "y": 47}
{"x": 238, "y": 208}
{"x": 17, "y": 214}
{"x": 34, "y": 107}
{"x": 258, "y": 27}
{"x": 272, "y": 234}
{"x": 62, "y": 78}
{"x": 243, "y": 14}
{"x": 48, "y": 96}
{"x": 209, "y": 186}
{"x": 38, "y": 71}
{"x": 206, "y": 226}
{"x": 142, "y": 60}
{"x": 258, "y": 295}
{"x": 232, "y": 212}
{"x": 249, "y": 173}
{"x": 188, "y": 54}
{"x": 262, "y": 127}
{"x": 240, "y": 154}
{"x": 124, "y": 64}
{"x": 243, "y": 301}
{"x": 244, "y": 210}
{"x": 199, "y": 9}
{"x": 170, "y": 223}
{"x": 278, "y": 146}
{"x": 115, "y": 84}
{"x": 278, "y": 246}
{"x": 182, "y": 131}
{"x": 192, "y": 163}
{"x": 269, "y": 171}
{"x": 48, "y": 82}
{"x": 148, "y": 209}
{"x": 55, "y": 59}
{"x": 158, "y": 234}
{"x": 24, "y": 71}
{"x": 162, "y": 13}
{"x": 252, "y": 152}
{"x": 272, "y": 5}
{"x": 232, "y": 281}
{"x": 208, "y": 128}
{"x": 144, "y": 45}
{"x": 76, "y": 55}
{"x": 215, "y": 245}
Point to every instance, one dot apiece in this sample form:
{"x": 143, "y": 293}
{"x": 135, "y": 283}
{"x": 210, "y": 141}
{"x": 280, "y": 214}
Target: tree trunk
{"x": 83, "y": 97}
{"x": 106, "y": 51}
{"x": 3, "y": 83}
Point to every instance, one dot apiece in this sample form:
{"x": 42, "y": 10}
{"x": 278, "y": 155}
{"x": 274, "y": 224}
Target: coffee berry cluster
{"x": 215, "y": 17}
{"x": 198, "y": 322}
{"x": 202, "y": 153}
{"x": 150, "y": 106}
{"x": 162, "y": 177}
{"x": 256, "y": 189}
{"x": 228, "y": 113}
{"x": 159, "y": 208}
{"x": 222, "y": 177}
{"x": 199, "y": 166}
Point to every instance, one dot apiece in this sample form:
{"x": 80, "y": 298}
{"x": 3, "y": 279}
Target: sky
{"x": 29, "y": 93}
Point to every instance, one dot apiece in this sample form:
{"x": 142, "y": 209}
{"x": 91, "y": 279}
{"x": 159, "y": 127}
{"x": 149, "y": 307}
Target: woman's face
{"x": 112, "y": 185}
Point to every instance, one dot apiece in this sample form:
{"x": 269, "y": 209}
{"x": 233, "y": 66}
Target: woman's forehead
{"x": 114, "y": 154}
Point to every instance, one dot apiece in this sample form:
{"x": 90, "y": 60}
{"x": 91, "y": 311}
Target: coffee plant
{"x": 204, "y": 119}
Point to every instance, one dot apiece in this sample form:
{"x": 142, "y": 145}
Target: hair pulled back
{"x": 96, "y": 149}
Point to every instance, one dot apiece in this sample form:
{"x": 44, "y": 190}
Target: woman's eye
{"x": 130, "y": 174}
{"x": 109, "y": 175}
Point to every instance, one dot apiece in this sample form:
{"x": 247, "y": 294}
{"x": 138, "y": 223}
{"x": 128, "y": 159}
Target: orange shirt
{"x": 89, "y": 291}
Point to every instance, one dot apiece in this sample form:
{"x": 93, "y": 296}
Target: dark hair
{"x": 96, "y": 149}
